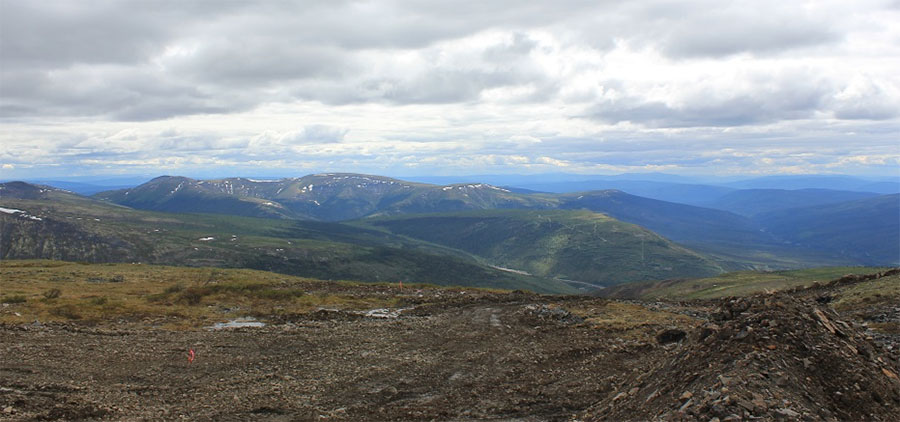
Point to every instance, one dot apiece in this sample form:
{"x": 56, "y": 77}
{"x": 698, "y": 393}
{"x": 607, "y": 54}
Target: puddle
{"x": 237, "y": 323}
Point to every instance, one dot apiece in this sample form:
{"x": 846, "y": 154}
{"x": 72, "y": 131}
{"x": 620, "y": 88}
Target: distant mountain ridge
{"x": 837, "y": 182}
{"x": 737, "y": 240}
{"x": 326, "y": 197}
{"x": 749, "y": 202}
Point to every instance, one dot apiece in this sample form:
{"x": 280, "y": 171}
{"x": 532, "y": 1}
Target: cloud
{"x": 274, "y": 143}
{"x": 577, "y": 84}
{"x": 865, "y": 98}
{"x": 715, "y": 29}
{"x": 734, "y": 98}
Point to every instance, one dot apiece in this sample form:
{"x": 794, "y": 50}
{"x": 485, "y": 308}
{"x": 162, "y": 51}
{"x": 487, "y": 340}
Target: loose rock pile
{"x": 775, "y": 357}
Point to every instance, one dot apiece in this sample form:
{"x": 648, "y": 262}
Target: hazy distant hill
{"x": 749, "y": 202}
{"x": 819, "y": 182}
{"x": 679, "y": 222}
{"x": 576, "y": 245}
{"x": 866, "y": 230}
{"x": 692, "y": 194}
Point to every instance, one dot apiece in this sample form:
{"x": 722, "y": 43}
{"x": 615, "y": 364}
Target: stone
{"x": 787, "y": 412}
{"x": 672, "y": 335}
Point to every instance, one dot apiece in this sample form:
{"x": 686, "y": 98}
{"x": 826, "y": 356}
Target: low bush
{"x": 66, "y": 311}
{"x": 14, "y": 299}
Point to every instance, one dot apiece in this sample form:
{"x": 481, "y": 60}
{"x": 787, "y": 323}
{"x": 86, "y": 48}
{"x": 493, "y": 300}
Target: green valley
{"x": 575, "y": 245}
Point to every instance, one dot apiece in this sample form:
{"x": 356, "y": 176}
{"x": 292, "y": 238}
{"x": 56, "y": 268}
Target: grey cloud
{"x": 520, "y": 46}
{"x": 281, "y": 144}
{"x": 710, "y": 28}
{"x": 788, "y": 96}
{"x": 39, "y": 33}
{"x": 259, "y": 62}
{"x": 319, "y": 134}
{"x": 732, "y": 112}
{"x": 110, "y": 59}
{"x": 113, "y": 59}
{"x": 450, "y": 79}
{"x": 867, "y": 111}
{"x": 440, "y": 86}
{"x": 160, "y": 108}
{"x": 721, "y": 30}
{"x": 120, "y": 93}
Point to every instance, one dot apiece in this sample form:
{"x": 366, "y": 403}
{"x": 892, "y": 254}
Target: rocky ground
{"x": 474, "y": 355}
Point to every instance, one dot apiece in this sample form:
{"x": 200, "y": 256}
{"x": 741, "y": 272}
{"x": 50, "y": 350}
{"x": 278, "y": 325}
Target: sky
{"x": 238, "y": 88}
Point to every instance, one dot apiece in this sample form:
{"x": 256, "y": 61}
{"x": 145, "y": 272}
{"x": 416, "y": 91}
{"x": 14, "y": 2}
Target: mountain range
{"x": 489, "y": 235}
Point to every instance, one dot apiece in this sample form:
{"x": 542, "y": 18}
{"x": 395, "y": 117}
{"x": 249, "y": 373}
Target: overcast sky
{"x": 451, "y": 87}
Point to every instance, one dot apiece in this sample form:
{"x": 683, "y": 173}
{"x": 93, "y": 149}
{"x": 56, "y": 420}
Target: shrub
{"x": 66, "y": 311}
{"x": 193, "y": 295}
{"x": 173, "y": 289}
{"x": 278, "y": 294}
{"x": 14, "y": 299}
{"x": 114, "y": 279}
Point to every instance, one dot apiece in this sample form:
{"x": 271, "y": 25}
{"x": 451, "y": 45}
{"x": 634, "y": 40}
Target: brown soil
{"x": 469, "y": 356}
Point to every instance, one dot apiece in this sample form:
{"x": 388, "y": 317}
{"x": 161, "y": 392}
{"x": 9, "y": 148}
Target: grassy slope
{"x": 175, "y": 296}
{"x": 734, "y": 284}
{"x": 882, "y": 289}
{"x": 576, "y": 245}
{"x": 82, "y": 229}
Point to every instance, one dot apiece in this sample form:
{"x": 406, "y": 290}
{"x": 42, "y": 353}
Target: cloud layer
{"x": 449, "y": 87}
